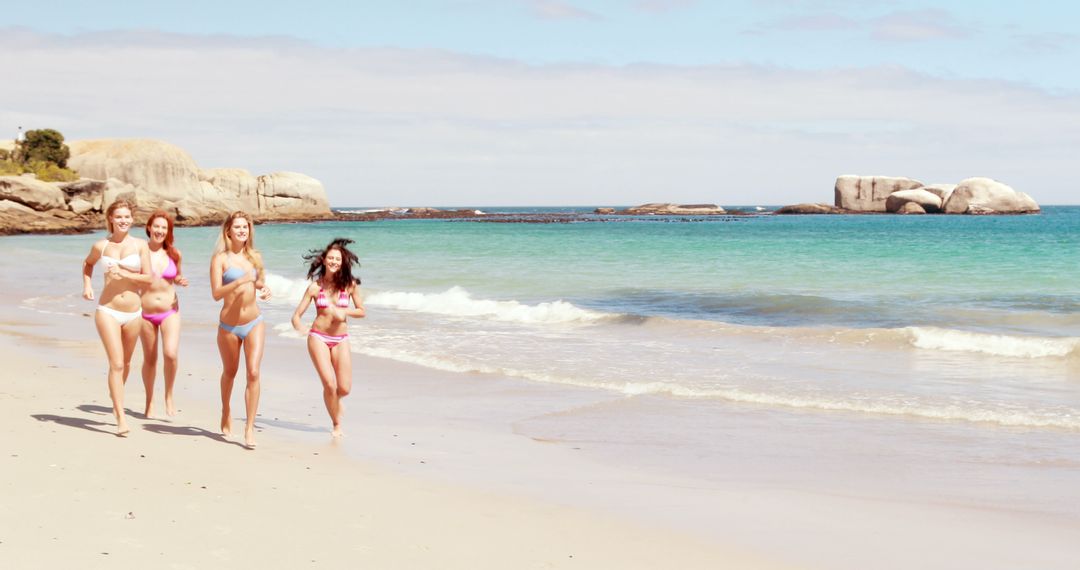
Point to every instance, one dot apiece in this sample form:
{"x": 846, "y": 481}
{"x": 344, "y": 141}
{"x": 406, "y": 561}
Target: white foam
{"x": 995, "y": 344}
{"x": 456, "y": 301}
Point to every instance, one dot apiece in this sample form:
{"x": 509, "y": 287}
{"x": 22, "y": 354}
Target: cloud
{"x": 907, "y": 26}
{"x": 917, "y": 25}
{"x": 556, "y": 10}
{"x": 663, "y": 6}
{"x": 394, "y": 127}
{"x": 1048, "y": 43}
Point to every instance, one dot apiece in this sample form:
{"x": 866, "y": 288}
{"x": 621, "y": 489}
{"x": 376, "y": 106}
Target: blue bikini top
{"x": 232, "y": 274}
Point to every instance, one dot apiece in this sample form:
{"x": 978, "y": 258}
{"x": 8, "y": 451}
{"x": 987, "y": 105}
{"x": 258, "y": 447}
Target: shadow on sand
{"x": 96, "y": 409}
{"x": 190, "y": 431}
{"x": 82, "y": 423}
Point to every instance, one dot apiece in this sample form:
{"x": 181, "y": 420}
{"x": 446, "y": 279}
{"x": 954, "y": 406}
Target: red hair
{"x": 168, "y": 242}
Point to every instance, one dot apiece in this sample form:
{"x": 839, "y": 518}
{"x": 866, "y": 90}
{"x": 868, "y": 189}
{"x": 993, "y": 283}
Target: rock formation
{"x": 153, "y": 174}
{"x": 987, "y": 196}
{"x": 868, "y": 193}
{"x": 665, "y": 209}
{"x": 890, "y": 194}
{"x": 810, "y": 209}
{"x": 926, "y": 200}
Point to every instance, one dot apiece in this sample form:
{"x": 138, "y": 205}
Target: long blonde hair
{"x": 249, "y": 250}
{"x": 116, "y": 205}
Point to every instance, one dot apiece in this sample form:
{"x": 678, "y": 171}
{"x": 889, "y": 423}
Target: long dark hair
{"x": 344, "y": 277}
{"x": 168, "y": 243}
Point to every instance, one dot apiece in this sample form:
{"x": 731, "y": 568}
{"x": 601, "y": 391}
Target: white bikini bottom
{"x": 120, "y": 316}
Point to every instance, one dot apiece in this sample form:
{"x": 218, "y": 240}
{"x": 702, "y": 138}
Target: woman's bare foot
{"x": 336, "y": 432}
{"x": 170, "y": 406}
{"x": 122, "y": 429}
{"x": 226, "y": 425}
{"x": 149, "y": 411}
{"x": 249, "y": 437}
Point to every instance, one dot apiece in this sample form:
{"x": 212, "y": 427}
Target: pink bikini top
{"x": 170, "y": 270}
{"x": 322, "y": 302}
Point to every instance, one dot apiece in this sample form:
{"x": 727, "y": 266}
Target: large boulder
{"x": 160, "y": 175}
{"x": 927, "y": 201}
{"x": 988, "y": 196}
{"x": 16, "y": 218}
{"x": 31, "y": 192}
{"x": 942, "y": 191}
{"x": 911, "y": 208}
{"x": 868, "y": 193}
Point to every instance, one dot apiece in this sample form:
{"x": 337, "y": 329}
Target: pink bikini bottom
{"x": 331, "y": 340}
{"x": 157, "y": 318}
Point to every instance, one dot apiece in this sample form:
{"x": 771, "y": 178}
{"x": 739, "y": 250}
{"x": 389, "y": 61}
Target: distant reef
{"x": 897, "y": 195}
{"x": 152, "y": 175}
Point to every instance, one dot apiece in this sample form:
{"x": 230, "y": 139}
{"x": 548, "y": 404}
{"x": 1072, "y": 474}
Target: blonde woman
{"x": 161, "y": 309}
{"x": 125, "y": 260}
{"x": 332, "y": 289}
{"x": 237, "y": 280}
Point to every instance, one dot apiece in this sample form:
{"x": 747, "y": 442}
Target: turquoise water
{"x": 975, "y": 317}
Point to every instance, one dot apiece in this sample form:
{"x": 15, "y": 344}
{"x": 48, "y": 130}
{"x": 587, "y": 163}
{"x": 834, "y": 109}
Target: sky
{"x": 565, "y": 102}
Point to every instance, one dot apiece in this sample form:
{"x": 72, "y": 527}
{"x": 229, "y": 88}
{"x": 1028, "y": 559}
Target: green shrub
{"x": 46, "y": 145}
{"x": 8, "y": 167}
{"x": 4, "y": 154}
{"x": 49, "y": 172}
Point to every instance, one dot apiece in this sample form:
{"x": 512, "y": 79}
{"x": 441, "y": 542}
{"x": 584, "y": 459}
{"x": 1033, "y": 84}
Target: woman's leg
{"x": 170, "y": 340}
{"x": 342, "y": 359}
{"x": 229, "y": 347}
{"x": 324, "y": 367}
{"x": 253, "y": 349}
{"x": 149, "y": 337}
{"x": 111, "y": 337}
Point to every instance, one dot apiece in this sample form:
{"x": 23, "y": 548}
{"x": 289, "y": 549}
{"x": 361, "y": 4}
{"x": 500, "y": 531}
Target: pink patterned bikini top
{"x": 322, "y": 302}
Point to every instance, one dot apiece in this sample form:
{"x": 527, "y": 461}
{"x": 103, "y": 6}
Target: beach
{"x": 509, "y": 415}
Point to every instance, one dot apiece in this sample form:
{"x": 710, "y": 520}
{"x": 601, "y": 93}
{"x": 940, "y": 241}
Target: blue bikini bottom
{"x": 241, "y": 331}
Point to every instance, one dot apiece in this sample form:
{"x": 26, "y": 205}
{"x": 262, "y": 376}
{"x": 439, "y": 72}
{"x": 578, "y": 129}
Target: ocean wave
{"x": 457, "y": 302}
{"x": 898, "y": 406}
{"x": 994, "y": 344}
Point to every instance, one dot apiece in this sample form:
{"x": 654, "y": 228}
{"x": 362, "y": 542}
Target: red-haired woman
{"x": 161, "y": 309}
{"x": 125, "y": 260}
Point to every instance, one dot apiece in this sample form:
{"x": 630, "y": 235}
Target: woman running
{"x": 332, "y": 289}
{"x": 236, "y": 279}
{"x": 161, "y": 309}
{"x": 125, "y": 260}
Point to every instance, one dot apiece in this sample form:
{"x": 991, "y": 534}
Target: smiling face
{"x": 159, "y": 230}
{"x": 120, "y": 220}
{"x": 239, "y": 230}
{"x": 332, "y": 261}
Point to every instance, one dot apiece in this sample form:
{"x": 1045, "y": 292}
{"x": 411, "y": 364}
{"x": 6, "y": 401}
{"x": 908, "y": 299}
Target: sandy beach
{"x": 176, "y": 495}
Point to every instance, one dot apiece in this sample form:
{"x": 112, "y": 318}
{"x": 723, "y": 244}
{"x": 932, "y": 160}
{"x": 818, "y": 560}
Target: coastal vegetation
{"x": 42, "y": 153}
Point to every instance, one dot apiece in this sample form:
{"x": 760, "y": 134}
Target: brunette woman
{"x": 333, "y": 288}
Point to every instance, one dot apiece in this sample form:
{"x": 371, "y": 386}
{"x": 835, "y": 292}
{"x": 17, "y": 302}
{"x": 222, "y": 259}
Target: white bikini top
{"x": 132, "y": 262}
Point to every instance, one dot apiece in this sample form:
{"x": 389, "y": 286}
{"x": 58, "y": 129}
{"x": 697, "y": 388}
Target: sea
{"x": 937, "y": 356}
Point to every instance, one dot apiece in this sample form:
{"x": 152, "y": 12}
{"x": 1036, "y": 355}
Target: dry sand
{"x": 176, "y": 495}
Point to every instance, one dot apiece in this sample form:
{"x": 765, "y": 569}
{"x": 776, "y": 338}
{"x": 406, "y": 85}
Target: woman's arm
{"x": 302, "y": 307}
{"x": 260, "y": 280}
{"x": 358, "y": 311}
{"x": 179, "y": 279}
{"x": 88, "y": 271}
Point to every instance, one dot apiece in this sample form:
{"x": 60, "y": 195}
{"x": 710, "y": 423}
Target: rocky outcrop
{"x": 868, "y": 193}
{"x": 31, "y": 192}
{"x": 987, "y": 196}
{"x": 810, "y": 209}
{"x": 165, "y": 176}
{"x": 926, "y": 200}
{"x": 153, "y": 174}
{"x": 665, "y": 209}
